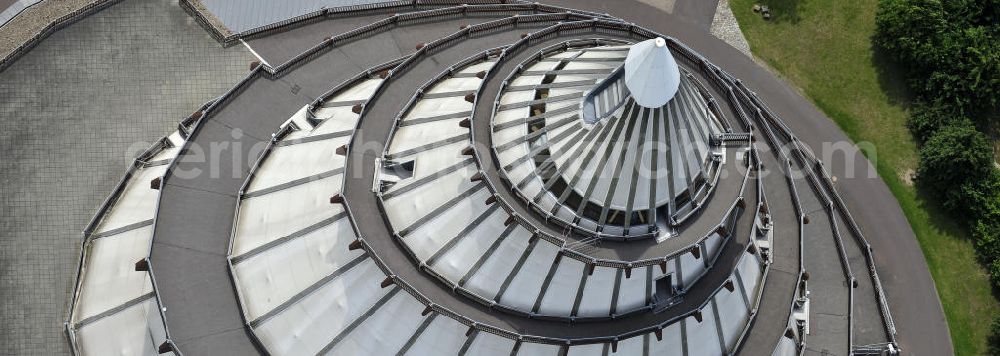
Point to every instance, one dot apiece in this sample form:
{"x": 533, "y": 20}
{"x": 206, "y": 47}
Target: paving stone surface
{"x": 726, "y": 28}
{"x": 73, "y": 112}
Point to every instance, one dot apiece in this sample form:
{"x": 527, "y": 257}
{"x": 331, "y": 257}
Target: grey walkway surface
{"x": 194, "y": 222}
{"x": 912, "y": 296}
{"x": 371, "y": 226}
{"x": 73, "y": 111}
{"x": 699, "y": 12}
{"x": 35, "y": 280}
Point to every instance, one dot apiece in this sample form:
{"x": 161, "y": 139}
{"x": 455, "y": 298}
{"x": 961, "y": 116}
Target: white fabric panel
{"x": 287, "y": 163}
{"x": 460, "y": 84}
{"x": 786, "y": 347}
{"x": 521, "y": 96}
{"x": 733, "y": 314}
{"x": 671, "y": 345}
{"x": 606, "y": 176}
{"x": 137, "y": 330}
{"x": 691, "y": 267}
{"x": 566, "y": 149}
{"x": 517, "y": 173}
{"x": 598, "y": 292}
{"x": 491, "y": 274}
{"x": 620, "y": 198}
{"x": 439, "y": 106}
{"x": 657, "y": 272}
{"x": 454, "y": 264}
{"x": 668, "y": 131}
{"x": 588, "y": 224}
{"x": 301, "y": 120}
{"x": 561, "y": 293}
{"x": 407, "y": 137}
{"x": 560, "y": 104}
{"x": 507, "y": 136}
{"x": 512, "y": 114}
{"x": 309, "y": 325}
{"x": 512, "y": 154}
{"x": 137, "y": 201}
{"x": 646, "y": 174}
{"x": 360, "y": 91}
{"x": 403, "y": 210}
{"x": 109, "y": 277}
{"x": 167, "y": 153}
{"x": 630, "y": 346}
{"x": 547, "y": 201}
{"x": 565, "y": 54}
{"x": 433, "y": 161}
{"x": 525, "y": 287}
{"x": 385, "y": 332}
{"x": 339, "y": 118}
{"x": 533, "y": 187}
{"x": 750, "y": 273}
{"x": 605, "y": 54}
{"x": 587, "y": 170}
{"x": 566, "y": 142}
{"x": 272, "y": 277}
{"x": 270, "y": 216}
{"x": 431, "y": 236}
{"x": 671, "y": 269}
{"x": 533, "y": 349}
{"x": 586, "y": 350}
{"x": 632, "y": 291}
{"x": 703, "y": 337}
{"x": 444, "y": 336}
{"x": 702, "y": 119}
{"x": 522, "y": 80}
{"x": 712, "y": 245}
{"x": 690, "y": 144}
{"x": 579, "y": 167}
{"x": 487, "y": 344}
{"x": 478, "y": 67}
{"x": 566, "y": 91}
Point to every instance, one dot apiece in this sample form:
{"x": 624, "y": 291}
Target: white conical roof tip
{"x": 651, "y": 73}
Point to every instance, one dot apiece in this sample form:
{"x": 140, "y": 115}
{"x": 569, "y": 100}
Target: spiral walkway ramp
{"x": 476, "y": 178}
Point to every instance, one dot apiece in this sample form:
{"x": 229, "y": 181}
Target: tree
{"x": 950, "y": 49}
{"x": 994, "y": 339}
{"x": 926, "y": 119}
{"x": 955, "y": 162}
{"x": 910, "y": 32}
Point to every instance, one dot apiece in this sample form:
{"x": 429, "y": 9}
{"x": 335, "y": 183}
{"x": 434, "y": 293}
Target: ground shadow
{"x": 783, "y": 10}
{"x": 891, "y": 77}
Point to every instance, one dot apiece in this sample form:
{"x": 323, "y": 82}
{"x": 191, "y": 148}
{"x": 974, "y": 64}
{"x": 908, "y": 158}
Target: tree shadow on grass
{"x": 891, "y": 78}
{"x": 783, "y": 10}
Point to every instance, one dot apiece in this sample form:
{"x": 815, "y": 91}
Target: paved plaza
{"x": 76, "y": 110}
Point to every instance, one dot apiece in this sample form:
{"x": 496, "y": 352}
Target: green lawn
{"x": 824, "y": 48}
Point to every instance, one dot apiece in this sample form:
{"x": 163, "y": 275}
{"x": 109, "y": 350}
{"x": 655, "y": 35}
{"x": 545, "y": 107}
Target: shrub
{"x": 968, "y": 76}
{"x": 994, "y": 340}
{"x": 926, "y": 119}
{"x": 950, "y": 49}
{"x": 955, "y": 162}
{"x": 910, "y": 31}
{"x": 987, "y": 236}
